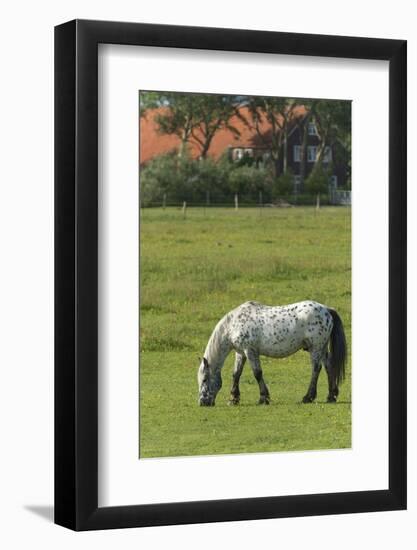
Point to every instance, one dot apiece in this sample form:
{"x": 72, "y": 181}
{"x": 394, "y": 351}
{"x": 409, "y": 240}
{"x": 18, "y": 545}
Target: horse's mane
{"x": 216, "y": 340}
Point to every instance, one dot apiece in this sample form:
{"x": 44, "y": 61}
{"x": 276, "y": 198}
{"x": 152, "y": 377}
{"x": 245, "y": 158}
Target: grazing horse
{"x": 253, "y": 329}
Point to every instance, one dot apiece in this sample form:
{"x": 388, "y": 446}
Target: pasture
{"x": 195, "y": 270}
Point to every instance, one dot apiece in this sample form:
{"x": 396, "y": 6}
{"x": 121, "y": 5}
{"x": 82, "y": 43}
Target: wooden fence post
{"x": 164, "y": 201}
{"x": 236, "y": 202}
{"x": 184, "y": 209}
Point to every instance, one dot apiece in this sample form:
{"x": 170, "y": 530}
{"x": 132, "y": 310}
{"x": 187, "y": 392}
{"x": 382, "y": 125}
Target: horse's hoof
{"x": 307, "y": 399}
{"x": 233, "y": 402}
{"x": 331, "y": 399}
{"x": 263, "y": 401}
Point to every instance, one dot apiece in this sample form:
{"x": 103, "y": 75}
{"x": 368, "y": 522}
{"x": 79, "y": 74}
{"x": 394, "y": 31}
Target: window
{"x": 297, "y": 153}
{"x": 333, "y": 182}
{"x": 327, "y": 154}
{"x": 311, "y": 129}
{"x": 249, "y": 151}
{"x": 237, "y": 154}
{"x": 311, "y": 153}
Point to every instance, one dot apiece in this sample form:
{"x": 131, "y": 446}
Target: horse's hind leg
{"x": 257, "y": 371}
{"x": 316, "y": 359}
{"x": 240, "y": 361}
{"x": 333, "y": 389}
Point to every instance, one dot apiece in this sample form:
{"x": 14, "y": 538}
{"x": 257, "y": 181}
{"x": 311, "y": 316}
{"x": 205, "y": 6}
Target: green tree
{"x": 194, "y": 118}
{"x": 149, "y": 101}
{"x": 333, "y": 123}
{"x": 284, "y": 184}
{"x": 179, "y": 117}
{"x": 302, "y": 124}
{"x": 317, "y": 183}
{"x": 169, "y": 174}
{"x": 279, "y": 113}
{"x": 248, "y": 181}
{"x": 213, "y": 112}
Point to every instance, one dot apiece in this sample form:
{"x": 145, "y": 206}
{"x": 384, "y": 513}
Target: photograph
{"x": 245, "y": 274}
{"x": 208, "y": 235}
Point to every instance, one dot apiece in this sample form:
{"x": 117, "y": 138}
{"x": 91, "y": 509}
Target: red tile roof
{"x": 154, "y": 143}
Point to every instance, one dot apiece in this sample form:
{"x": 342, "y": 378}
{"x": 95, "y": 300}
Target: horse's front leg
{"x": 240, "y": 361}
{"x": 257, "y": 371}
{"x": 316, "y": 359}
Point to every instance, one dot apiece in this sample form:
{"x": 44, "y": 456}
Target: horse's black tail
{"x": 338, "y": 348}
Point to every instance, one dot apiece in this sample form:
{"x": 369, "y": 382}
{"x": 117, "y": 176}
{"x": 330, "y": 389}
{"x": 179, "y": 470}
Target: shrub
{"x": 284, "y": 184}
{"x": 170, "y": 174}
{"x": 318, "y": 181}
{"x": 188, "y": 179}
{"x": 248, "y": 181}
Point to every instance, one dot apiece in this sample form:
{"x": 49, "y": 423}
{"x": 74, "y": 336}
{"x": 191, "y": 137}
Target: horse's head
{"x": 209, "y": 384}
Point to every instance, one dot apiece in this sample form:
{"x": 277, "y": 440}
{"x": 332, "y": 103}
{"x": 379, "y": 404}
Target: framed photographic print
{"x": 230, "y": 275}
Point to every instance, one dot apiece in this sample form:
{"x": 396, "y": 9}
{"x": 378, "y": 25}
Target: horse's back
{"x": 252, "y": 308}
{"x": 278, "y": 331}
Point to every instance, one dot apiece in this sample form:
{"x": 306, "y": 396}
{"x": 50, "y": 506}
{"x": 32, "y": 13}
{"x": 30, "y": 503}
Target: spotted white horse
{"x": 254, "y": 329}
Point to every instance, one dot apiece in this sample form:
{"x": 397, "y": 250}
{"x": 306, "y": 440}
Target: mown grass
{"x": 192, "y": 272}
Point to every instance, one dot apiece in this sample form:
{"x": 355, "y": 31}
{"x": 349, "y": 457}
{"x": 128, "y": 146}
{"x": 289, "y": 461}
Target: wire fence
{"x": 334, "y": 198}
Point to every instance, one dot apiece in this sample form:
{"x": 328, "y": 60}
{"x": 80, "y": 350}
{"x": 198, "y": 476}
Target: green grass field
{"x": 193, "y": 271}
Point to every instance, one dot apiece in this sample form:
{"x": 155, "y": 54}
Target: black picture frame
{"x": 76, "y": 273}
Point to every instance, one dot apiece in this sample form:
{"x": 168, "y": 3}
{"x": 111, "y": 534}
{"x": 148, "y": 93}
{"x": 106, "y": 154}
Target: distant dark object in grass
{"x": 279, "y": 203}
